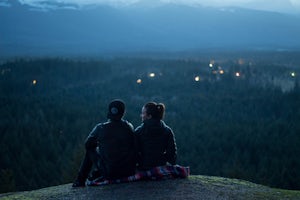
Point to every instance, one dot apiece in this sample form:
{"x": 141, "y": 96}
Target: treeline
{"x": 241, "y": 126}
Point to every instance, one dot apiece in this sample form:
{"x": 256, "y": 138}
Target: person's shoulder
{"x": 164, "y": 124}
{"x": 96, "y": 130}
{"x": 127, "y": 123}
{"x": 139, "y": 128}
{"x": 167, "y": 128}
{"x": 101, "y": 125}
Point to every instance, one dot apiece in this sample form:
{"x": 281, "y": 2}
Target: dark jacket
{"x": 116, "y": 147}
{"x": 156, "y": 144}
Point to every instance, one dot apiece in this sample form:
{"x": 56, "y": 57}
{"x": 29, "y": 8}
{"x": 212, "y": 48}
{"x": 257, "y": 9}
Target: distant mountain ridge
{"x": 169, "y": 27}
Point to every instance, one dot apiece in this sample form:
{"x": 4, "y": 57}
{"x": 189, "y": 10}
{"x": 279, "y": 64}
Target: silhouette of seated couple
{"x": 115, "y": 150}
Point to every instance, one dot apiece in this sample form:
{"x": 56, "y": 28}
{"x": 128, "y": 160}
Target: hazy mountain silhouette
{"x": 169, "y": 27}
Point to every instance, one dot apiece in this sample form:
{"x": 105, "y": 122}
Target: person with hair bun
{"x": 161, "y": 110}
{"x": 155, "y": 140}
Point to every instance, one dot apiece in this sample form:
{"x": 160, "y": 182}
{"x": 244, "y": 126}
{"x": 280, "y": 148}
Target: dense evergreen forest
{"x": 235, "y": 117}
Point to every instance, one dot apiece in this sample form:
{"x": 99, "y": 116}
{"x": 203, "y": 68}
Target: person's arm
{"x": 171, "y": 151}
{"x": 137, "y": 144}
{"x": 91, "y": 140}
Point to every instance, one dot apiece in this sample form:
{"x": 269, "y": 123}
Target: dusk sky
{"x": 285, "y": 6}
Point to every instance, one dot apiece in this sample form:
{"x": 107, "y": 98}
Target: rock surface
{"x": 193, "y": 187}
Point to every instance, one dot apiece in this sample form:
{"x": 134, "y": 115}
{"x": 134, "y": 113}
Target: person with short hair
{"x": 110, "y": 148}
{"x": 155, "y": 140}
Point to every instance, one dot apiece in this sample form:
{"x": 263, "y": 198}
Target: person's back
{"x": 116, "y": 149}
{"x": 156, "y": 144}
{"x": 110, "y": 148}
{"x": 155, "y": 140}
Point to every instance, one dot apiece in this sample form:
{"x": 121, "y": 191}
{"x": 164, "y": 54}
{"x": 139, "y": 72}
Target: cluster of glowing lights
{"x": 218, "y": 71}
{"x": 196, "y": 78}
{"x": 151, "y": 75}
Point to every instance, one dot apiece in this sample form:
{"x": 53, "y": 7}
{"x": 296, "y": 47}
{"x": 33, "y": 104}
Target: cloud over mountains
{"x": 285, "y": 6}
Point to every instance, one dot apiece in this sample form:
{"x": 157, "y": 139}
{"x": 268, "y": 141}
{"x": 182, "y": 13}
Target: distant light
{"x": 241, "y": 61}
{"x": 152, "y": 75}
{"x": 197, "y": 78}
{"x": 34, "y": 82}
{"x": 211, "y": 65}
{"x": 214, "y": 72}
{"x": 293, "y": 74}
{"x": 221, "y": 71}
{"x": 237, "y": 74}
{"x": 139, "y": 81}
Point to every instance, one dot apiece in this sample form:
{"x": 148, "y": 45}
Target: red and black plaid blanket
{"x": 156, "y": 173}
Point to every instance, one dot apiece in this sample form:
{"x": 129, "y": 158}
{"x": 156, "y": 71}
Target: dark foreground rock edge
{"x": 193, "y": 187}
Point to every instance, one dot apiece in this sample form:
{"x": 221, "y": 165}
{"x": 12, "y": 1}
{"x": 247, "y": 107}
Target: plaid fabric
{"x": 156, "y": 173}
